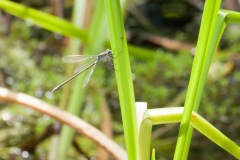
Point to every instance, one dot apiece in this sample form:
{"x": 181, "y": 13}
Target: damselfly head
{"x": 108, "y": 51}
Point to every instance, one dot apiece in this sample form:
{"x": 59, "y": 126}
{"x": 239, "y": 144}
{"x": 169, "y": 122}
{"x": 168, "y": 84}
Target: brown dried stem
{"x": 76, "y": 123}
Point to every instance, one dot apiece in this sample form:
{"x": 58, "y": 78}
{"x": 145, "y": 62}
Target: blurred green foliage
{"x": 167, "y": 75}
{"x": 30, "y": 62}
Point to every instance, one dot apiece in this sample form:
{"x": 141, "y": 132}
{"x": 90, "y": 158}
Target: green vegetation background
{"x": 30, "y": 62}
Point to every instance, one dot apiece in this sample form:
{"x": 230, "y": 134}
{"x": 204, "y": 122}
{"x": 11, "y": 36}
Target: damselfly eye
{"x": 109, "y": 51}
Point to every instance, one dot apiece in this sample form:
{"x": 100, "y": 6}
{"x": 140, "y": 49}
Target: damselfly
{"x": 93, "y": 61}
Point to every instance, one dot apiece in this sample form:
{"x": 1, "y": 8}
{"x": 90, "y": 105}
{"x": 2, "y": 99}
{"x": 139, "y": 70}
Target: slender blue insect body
{"x": 79, "y": 58}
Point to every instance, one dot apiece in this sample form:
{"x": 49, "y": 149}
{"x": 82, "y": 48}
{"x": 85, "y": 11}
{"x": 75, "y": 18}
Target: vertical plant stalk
{"x": 197, "y": 79}
{"x": 145, "y": 136}
{"x": 211, "y": 49}
{"x": 123, "y": 75}
{"x": 153, "y": 154}
{"x": 216, "y": 32}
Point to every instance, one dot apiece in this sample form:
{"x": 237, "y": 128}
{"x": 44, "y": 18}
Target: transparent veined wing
{"x": 77, "y": 58}
{"x": 89, "y": 75}
{"x": 81, "y": 67}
